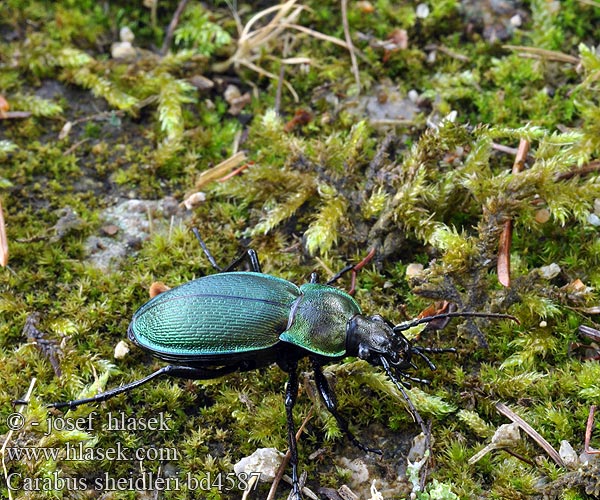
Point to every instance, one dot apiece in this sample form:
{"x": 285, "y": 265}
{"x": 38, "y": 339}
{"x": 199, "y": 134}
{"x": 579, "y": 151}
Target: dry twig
{"x": 172, "y": 25}
{"x": 588, "y": 432}
{"x": 49, "y": 348}
{"x": 450, "y": 53}
{"x": 593, "y": 3}
{"x": 349, "y": 43}
{"x": 9, "y": 115}
{"x": 591, "y": 167}
{"x": 10, "y": 433}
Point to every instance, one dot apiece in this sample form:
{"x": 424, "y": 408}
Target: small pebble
{"x": 121, "y": 350}
{"x": 418, "y": 448}
{"x": 201, "y": 82}
{"x": 126, "y": 35}
{"x": 110, "y": 229}
{"x": 594, "y": 220}
{"x": 360, "y": 472}
{"x": 542, "y": 215}
{"x": 413, "y": 270}
{"x": 516, "y": 21}
{"x": 231, "y": 93}
{"x": 422, "y": 11}
{"x": 550, "y": 271}
{"x": 413, "y": 95}
{"x": 263, "y": 460}
{"x": 567, "y": 453}
{"x": 122, "y": 50}
{"x": 193, "y": 200}
{"x": 365, "y": 7}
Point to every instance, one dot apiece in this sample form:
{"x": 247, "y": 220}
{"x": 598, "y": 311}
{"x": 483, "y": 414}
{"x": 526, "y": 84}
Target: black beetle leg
{"x": 314, "y": 278}
{"x": 249, "y": 255}
{"x": 291, "y": 393}
{"x": 420, "y": 351}
{"x": 411, "y": 406}
{"x": 339, "y": 274}
{"x": 355, "y": 269}
{"x": 186, "y": 372}
{"x": 330, "y": 401}
{"x": 411, "y": 378}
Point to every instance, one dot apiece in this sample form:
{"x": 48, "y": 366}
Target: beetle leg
{"x": 409, "y": 403}
{"x": 420, "y": 351}
{"x": 354, "y": 268}
{"x": 291, "y": 393}
{"x": 339, "y": 274}
{"x": 249, "y": 255}
{"x": 186, "y": 372}
{"x": 405, "y": 375}
{"x": 328, "y": 396}
{"x": 314, "y": 277}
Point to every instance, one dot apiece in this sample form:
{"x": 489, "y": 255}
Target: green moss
{"x": 437, "y": 194}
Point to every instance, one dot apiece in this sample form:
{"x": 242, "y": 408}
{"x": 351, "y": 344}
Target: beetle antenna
{"x": 465, "y": 314}
{"x": 411, "y": 407}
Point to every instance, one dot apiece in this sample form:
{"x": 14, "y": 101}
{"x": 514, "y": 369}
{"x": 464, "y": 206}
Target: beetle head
{"x": 371, "y": 337}
{"x": 380, "y": 343}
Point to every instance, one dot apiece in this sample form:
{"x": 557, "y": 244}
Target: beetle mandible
{"x": 243, "y": 320}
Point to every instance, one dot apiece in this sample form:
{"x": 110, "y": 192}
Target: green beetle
{"x": 240, "y": 321}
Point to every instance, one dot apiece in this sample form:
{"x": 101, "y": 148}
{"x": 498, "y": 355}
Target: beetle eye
{"x": 363, "y": 352}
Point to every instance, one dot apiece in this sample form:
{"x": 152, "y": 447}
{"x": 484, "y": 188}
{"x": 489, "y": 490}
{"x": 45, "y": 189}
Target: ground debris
{"x": 49, "y": 348}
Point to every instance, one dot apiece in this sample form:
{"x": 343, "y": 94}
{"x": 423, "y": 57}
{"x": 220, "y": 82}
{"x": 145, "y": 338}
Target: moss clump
{"x": 435, "y": 189}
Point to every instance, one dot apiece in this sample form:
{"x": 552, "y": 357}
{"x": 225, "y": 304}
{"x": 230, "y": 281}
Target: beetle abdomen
{"x": 219, "y": 314}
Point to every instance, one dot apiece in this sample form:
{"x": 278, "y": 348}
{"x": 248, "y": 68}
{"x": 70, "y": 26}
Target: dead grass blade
{"x": 531, "y": 432}
{"x": 547, "y": 55}
{"x": 3, "y": 240}
{"x": 503, "y": 266}
{"x": 223, "y": 168}
{"x": 251, "y": 42}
